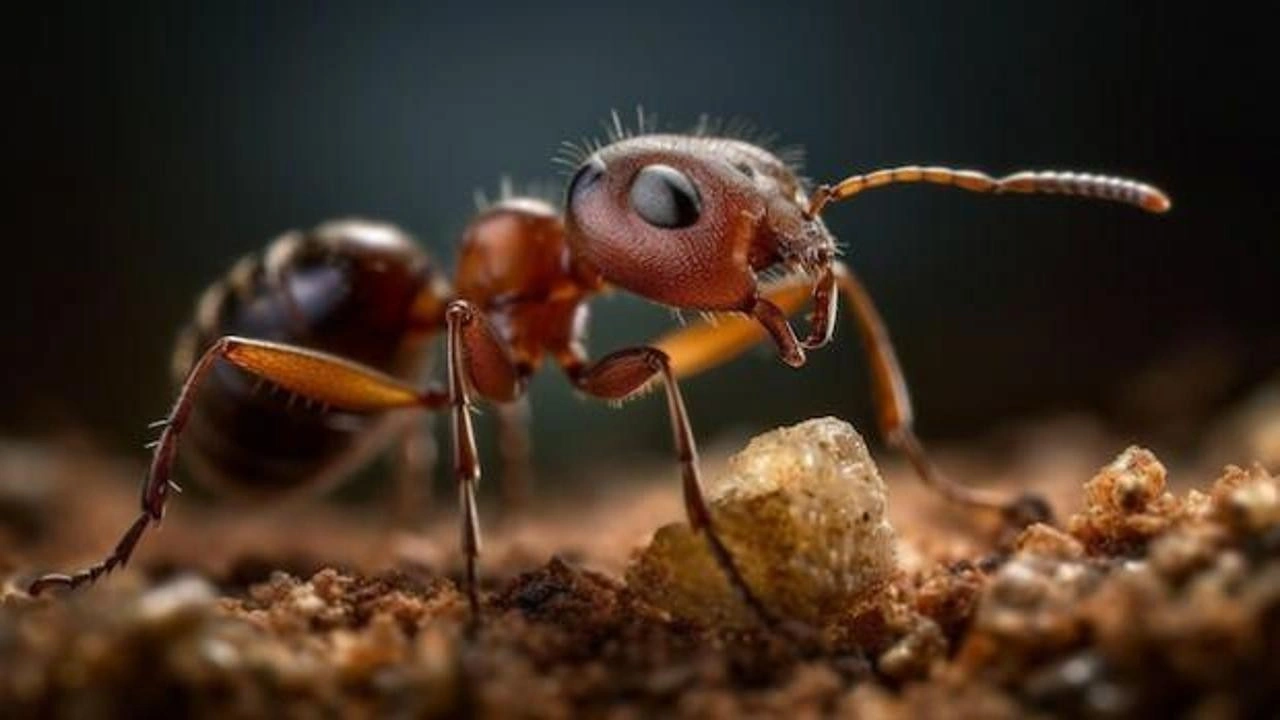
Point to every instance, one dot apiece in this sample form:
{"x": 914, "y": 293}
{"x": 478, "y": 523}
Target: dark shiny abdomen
{"x": 350, "y": 298}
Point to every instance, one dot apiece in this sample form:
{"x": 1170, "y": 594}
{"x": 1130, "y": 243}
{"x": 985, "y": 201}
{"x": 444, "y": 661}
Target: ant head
{"x": 688, "y": 220}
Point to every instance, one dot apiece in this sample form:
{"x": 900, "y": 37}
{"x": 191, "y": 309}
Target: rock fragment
{"x": 1125, "y": 504}
{"x": 802, "y": 510}
{"x": 1247, "y": 500}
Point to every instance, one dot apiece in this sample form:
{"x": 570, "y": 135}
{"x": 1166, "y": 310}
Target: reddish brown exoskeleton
{"x": 688, "y": 221}
{"x": 359, "y": 289}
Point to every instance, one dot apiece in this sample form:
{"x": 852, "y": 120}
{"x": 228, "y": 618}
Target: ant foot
{"x": 1027, "y": 509}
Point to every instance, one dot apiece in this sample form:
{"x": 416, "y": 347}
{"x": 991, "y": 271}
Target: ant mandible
{"x": 690, "y": 221}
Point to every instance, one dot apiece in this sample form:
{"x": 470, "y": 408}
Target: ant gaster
{"x": 688, "y": 221}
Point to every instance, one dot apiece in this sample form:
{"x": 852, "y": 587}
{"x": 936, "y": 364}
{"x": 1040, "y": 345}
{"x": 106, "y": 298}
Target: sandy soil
{"x": 1149, "y": 595}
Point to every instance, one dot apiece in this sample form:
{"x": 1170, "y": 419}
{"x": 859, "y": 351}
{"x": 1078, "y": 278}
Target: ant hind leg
{"x": 325, "y": 378}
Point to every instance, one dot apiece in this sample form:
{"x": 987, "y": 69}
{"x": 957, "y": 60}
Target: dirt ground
{"x": 1154, "y": 593}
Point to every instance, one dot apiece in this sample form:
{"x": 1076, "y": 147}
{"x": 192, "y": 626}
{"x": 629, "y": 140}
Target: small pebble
{"x": 802, "y": 510}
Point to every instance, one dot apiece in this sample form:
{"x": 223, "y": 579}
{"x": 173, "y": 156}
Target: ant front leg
{"x": 895, "y": 415}
{"x": 477, "y": 358}
{"x": 324, "y": 378}
{"x": 627, "y": 372}
{"x": 700, "y": 347}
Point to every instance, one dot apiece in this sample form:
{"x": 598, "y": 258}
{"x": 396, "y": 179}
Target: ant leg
{"x": 416, "y": 457}
{"x": 119, "y": 556}
{"x": 699, "y": 347}
{"x": 477, "y": 359}
{"x": 516, "y": 448}
{"x": 895, "y": 416}
{"x": 318, "y": 376}
{"x": 626, "y": 372}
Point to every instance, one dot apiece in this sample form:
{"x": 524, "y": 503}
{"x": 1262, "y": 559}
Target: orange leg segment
{"x": 317, "y": 376}
{"x": 697, "y": 348}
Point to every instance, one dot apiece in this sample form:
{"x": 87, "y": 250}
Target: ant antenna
{"x": 1104, "y": 187}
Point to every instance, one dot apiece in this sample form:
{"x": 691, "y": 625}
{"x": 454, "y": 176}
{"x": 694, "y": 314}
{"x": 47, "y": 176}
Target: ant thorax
{"x": 514, "y": 266}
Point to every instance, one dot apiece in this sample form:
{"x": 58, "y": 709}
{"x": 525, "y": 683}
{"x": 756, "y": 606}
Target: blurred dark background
{"x": 154, "y": 144}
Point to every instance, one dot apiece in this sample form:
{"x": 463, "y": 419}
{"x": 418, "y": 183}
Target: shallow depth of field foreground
{"x": 1157, "y": 588}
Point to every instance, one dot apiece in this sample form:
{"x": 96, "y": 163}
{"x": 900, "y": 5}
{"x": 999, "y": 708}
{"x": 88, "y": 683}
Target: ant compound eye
{"x": 585, "y": 178}
{"x": 665, "y": 197}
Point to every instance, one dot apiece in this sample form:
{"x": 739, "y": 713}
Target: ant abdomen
{"x": 359, "y": 289}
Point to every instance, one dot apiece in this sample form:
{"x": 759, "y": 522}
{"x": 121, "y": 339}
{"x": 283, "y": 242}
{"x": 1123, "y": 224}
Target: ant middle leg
{"x": 317, "y": 376}
{"x": 626, "y": 372}
{"x": 417, "y": 454}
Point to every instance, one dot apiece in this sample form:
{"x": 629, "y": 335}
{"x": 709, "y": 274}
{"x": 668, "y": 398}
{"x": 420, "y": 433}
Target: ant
{"x": 690, "y": 221}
